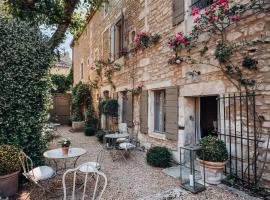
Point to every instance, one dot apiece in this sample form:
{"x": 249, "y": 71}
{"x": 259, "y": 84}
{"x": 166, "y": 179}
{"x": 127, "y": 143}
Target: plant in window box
{"x": 213, "y": 156}
{"x": 9, "y": 169}
{"x": 144, "y": 40}
{"x": 65, "y": 144}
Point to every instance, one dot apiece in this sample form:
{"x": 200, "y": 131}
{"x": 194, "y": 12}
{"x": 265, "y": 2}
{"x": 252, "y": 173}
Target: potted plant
{"x": 65, "y": 143}
{"x": 9, "y": 170}
{"x": 214, "y": 159}
{"x": 77, "y": 120}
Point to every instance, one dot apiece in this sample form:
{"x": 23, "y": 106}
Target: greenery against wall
{"x": 61, "y": 83}
{"x": 24, "y": 82}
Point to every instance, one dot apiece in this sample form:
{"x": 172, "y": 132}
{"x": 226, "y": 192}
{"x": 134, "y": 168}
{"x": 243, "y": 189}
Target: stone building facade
{"x": 175, "y": 108}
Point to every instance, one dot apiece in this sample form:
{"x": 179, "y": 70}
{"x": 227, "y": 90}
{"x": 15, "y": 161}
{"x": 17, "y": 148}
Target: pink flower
{"x": 184, "y": 40}
{"x": 143, "y": 33}
{"x": 178, "y": 38}
{"x": 222, "y": 1}
{"x": 195, "y": 11}
{"x": 214, "y": 18}
{"x": 180, "y": 33}
{"x": 197, "y": 20}
{"x": 234, "y": 18}
{"x": 207, "y": 12}
{"x": 213, "y": 6}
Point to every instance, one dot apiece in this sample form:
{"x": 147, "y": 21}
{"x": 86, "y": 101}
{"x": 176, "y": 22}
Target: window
{"x": 200, "y": 3}
{"x": 117, "y": 39}
{"x": 124, "y": 108}
{"x": 106, "y": 8}
{"x": 159, "y": 111}
{"x": 81, "y": 70}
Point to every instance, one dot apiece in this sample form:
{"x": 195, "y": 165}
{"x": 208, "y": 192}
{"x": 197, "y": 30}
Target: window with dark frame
{"x": 201, "y": 3}
{"x": 117, "y": 39}
{"x": 124, "y": 108}
{"x": 159, "y": 111}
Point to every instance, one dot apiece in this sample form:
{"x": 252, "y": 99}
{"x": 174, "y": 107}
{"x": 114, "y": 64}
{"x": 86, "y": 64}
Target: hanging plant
{"x": 144, "y": 40}
{"x": 250, "y": 63}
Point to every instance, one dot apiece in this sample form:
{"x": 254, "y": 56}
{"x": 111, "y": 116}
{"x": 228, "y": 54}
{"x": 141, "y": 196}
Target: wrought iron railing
{"x": 201, "y": 4}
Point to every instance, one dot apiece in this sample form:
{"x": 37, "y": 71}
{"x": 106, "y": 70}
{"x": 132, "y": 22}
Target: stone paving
{"x": 131, "y": 179}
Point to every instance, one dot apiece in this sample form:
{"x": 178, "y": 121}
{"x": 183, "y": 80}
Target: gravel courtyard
{"x": 131, "y": 179}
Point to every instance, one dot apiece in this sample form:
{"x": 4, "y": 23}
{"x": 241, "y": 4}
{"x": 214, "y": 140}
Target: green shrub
{"x": 61, "y": 83}
{"x": 100, "y": 135}
{"x": 9, "y": 159}
{"x": 91, "y": 121}
{"x": 90, "y": 131}
{"x": 101, "y": 107}
{"x": 111, "y": 108}
{"x": 214, "y": 149}
{"x": 77, "y": 115}
{"x": 25, "y": 87}
{"x": 159, "y": 157}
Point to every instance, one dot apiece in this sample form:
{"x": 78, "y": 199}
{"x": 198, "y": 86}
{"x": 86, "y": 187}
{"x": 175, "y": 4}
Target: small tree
{"x": 24, "y": 75}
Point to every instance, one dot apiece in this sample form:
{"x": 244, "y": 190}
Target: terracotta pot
{"x": 213, "y": 171}
{"x": 78, "y": 126}
{"x": 65, "y": 150}
{"x": 9, "y": 184}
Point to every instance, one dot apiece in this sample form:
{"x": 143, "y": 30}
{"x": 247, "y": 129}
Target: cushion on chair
{"x": 90, "y": 167}
{"x": 41, "y": 173}
{"x": 126, "y": 146}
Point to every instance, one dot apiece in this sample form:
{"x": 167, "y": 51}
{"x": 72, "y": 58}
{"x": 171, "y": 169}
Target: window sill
{"x": 157, "y": 135}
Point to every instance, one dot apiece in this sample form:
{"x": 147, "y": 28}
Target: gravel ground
{"x": 128, "y": 180}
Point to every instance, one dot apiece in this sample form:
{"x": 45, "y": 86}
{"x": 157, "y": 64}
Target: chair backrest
{"x": 27, "y": 164}
{"x": 100, "y": 157}
{"x": 96, "y": 178}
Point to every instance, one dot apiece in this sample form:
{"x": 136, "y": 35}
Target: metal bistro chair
{"x": 38, "y": 174}
{"x": 97, "y": 183}
{"x": 95, "y": 165}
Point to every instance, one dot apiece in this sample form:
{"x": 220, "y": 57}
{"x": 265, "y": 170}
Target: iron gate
{"x": 240, "y": 128}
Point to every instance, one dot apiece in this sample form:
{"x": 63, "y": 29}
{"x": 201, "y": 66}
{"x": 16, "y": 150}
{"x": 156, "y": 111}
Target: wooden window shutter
{"x": 178, "y": 11}
{"x": 112, "y": 43}
{"x": 144, "y": 112}
{"x": 171, "y": 113}
{"x": 129, "y": 111}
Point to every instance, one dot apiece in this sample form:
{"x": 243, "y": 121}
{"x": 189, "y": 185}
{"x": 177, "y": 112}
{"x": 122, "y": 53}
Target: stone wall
{"x": 151, "y": 67}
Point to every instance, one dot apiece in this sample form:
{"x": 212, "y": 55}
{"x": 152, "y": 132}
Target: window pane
{"x": 159, "y": 117}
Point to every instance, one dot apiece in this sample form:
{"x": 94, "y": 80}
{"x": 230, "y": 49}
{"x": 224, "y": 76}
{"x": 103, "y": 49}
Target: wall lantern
{"x": 188, "y": 174}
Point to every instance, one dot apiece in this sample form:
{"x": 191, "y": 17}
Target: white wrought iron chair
{"x": 95, "y": 165}
{"x": 36, "y": 175}
{"x": 88, "y": 180}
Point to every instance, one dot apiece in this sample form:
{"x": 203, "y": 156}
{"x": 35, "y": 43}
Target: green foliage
{"x": 100, "y": 135}
{"x": 111, "y": 108}
{"x": 90, "y": 131}
{"x": 81, "y": 96}
{"x": 24, "y": 82}
{"x": 223, "y": 52}
{"x": 65, "y": 142}
{"x": 101, "y": 106}
{"x": 159, "y": 157}
{"x": 91, "y": 121}
{"x": 9, "y": 159}
{"x": 250, "y": 63}
{"x": 61, "y": 83}
{"x": 214, "y": 149}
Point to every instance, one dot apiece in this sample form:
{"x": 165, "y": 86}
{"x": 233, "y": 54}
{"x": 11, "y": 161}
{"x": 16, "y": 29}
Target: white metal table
{"x": 113, "y": 139}
{"x": 57, "y": 154}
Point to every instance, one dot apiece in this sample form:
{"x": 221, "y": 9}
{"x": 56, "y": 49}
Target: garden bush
{"x": 25, "y": 87}
{"x": 9, "y": 159}
{"x": 111, "y": 108}
{"x": 100, "y": 135}
{"x": 90, "y": 131}
{"x": 214, "y": 149}
{"x": 159, "y": 157}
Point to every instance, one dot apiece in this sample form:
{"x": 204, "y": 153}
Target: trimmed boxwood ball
{"x": 159, "y": 157}
{"x": 90, "y": 131}
{"x": 214, "y": 149}
{"x": 9, "y": 159}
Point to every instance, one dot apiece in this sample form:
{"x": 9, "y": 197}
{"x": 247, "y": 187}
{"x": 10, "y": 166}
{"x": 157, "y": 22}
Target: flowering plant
{"x": 180, "y": 40}
{"x": 65, "y": 142}
{"x": 136, "y": 91}
{"x": 144, "y": 40}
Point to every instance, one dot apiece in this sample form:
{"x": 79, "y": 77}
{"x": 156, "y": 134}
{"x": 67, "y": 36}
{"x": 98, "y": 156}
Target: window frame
{"x": 158, "y": 126}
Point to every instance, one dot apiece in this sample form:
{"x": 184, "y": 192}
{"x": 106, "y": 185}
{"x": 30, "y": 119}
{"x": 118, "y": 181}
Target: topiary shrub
{"x": 159, "y": 157}
{"x": 25, "y": 87}
{"x": 9, "y": 159}
{"x": 90, "y": 131}
{"x": 214, "y": 149}
{"x": 100, "y": 135}
{"x": 111, "y": 108}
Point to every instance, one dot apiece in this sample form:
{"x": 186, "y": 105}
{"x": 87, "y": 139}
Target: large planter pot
{"x": 78, "y": 126}
{"x": 213, "y": 171}
{"x": 9, "y": 184}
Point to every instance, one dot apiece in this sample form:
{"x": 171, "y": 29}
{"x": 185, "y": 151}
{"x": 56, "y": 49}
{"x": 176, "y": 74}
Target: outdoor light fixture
{"x": 188, "y": 174}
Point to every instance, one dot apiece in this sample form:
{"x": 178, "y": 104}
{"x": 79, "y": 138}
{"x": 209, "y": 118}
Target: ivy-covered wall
{"x": 24, "y": 87}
